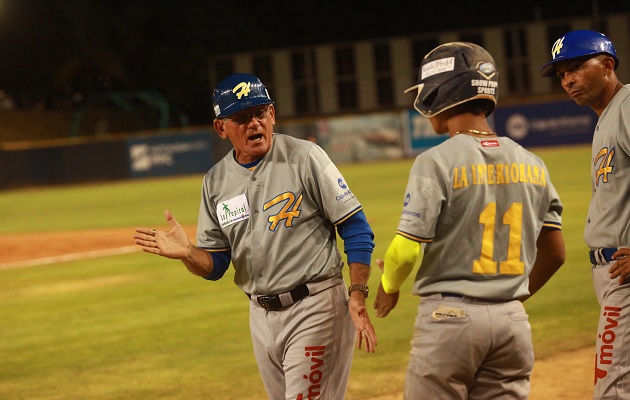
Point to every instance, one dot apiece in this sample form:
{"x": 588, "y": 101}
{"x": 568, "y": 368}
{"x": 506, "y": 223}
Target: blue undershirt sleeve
{"x": 221, "y": 262}
{"x": 358, "y": 238}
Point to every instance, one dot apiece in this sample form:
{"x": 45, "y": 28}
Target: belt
{"x": 602, "y": 256}
{"x": 276, "y": 302}
{"x": 461, "y": 296}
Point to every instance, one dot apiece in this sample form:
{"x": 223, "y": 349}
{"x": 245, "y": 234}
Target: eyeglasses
{"x": 243, "y": 118}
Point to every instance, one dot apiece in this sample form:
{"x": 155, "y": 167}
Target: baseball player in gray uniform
{"x": 272, "y": 207}
{"x": 484, "y": 216}
{"x": 585, "y": 61}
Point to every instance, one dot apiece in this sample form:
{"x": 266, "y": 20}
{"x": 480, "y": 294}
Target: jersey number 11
{"x": 513, "y": 217}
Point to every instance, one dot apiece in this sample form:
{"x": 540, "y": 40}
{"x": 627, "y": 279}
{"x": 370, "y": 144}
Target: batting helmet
{"x": 454, "y": 73}
{"x": 238, "y": 92}
{"x": 578, "y": 44}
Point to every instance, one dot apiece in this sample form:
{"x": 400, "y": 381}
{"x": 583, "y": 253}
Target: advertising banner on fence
{"x": 546, "y": 124}
{"x": 355, "y": 138}
{"x": 540, "y": 124}
{"x": 418, "y": 133}
{"x": 176, "y": 154}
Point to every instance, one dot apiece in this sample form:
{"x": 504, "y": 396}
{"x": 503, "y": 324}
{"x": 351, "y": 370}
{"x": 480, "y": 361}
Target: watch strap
{"x": 365, "y": 289}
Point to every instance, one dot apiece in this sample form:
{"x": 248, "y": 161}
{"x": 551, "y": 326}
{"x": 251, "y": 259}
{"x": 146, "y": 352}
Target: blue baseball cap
{"x": 238, "y": 92}
{"x": 579, "y": 43}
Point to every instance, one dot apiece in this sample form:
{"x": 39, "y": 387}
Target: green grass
{"x": 139, "y": 326}
{"x": 100, "y": 205}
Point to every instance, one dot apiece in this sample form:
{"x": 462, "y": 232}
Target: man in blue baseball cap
{"x": 238, "y": 100}
{"x": 585, "y": 62}
{"x": 272, "y": 207}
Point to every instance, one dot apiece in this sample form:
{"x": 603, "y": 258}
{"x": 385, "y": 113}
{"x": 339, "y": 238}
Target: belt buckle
{"x": 264, "y": 301}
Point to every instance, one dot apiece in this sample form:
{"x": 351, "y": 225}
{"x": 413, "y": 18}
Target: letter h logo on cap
{"x": 242, "y": 89}
{"x": 238, "y": 92}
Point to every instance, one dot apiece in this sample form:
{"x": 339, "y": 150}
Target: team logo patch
{"x": 342, "y": 184}
{"x": 242, "y": 89}
{"x": 557, "y": 47}
{"x": 290, "y": 209}
{"x": 233, "y": 210}
{"x": 606, "y": 167}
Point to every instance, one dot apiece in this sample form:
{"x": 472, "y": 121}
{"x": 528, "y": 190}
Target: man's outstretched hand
{"x": 172, "y": 243}
{"x": 384, "y": 302}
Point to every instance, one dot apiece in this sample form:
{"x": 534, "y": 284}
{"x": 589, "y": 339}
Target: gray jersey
{"x": 608, "y": 220}
{"x": 479, "y": 205}
{"x": 277, "y": 219}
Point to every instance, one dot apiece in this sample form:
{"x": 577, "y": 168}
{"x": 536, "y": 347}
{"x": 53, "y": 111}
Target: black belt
{"x": 461, "y": 296}
{"x": 273, "y": 302}
{"x": 602, "y": 256}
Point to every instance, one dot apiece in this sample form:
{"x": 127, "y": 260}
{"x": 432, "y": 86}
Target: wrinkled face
{"x": 584, "y": 78}
{"x": 249, "y": 130}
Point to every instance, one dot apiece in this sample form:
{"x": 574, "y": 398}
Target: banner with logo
{"x": 546, "y": 124}
{"x": 176, "y": 154}
{"x": 418, "y": 133}
{"x": 353, "y": 138}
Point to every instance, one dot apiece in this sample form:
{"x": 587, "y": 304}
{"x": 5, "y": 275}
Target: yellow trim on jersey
{"x": 356, "y": 210}
{"x": 414, "y": 238}
{"x": 217, "y": 250}
{"x": 400, "y": 258}
{"x": 552, "y": 225}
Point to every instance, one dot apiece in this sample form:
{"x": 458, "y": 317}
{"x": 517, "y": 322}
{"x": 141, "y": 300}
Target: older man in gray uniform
{"x": 272, "y": 207}
{"x": 585, "y": 61}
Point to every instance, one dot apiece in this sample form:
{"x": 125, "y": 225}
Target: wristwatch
{"x": 359, "y": 288}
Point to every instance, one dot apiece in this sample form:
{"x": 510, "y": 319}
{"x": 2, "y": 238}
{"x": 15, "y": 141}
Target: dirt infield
{"x": 567, "y": 376}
